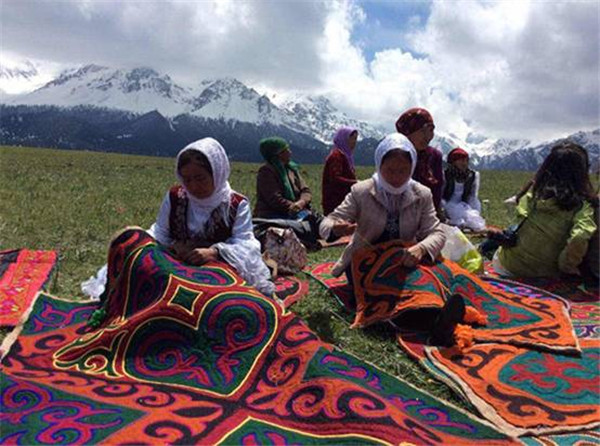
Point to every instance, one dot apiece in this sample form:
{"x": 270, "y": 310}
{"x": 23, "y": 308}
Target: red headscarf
{"x": 412, "y": 120}
{"x": 456, "y": 154}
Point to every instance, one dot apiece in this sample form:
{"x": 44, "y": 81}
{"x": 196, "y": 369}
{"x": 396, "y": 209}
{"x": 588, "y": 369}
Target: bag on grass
{"x": 283, "y": 251}
{"x": 459, "y": 249}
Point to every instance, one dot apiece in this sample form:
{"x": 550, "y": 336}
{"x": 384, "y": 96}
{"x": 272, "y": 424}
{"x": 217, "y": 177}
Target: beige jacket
{"x": 418, "y": 222}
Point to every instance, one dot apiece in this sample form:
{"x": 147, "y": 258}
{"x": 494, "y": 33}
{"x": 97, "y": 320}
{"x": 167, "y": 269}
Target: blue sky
{"x": 387, "y": 23}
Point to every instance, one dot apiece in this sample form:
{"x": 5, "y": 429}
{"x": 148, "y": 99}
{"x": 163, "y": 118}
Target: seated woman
{"x": 417, "y": 125}
{"x": 556, "y": 218}
{"x": 338, "y": 173}
{"x": 203, "y": 219}
{"x": 391, "y": 206}
{"x": 280, "y": 189}
{"x": 460, "y": 196}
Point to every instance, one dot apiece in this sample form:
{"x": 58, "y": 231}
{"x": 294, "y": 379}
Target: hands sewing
{"x": 341, "y": 228}
{"x": 297, "y": 206}
{"x": 194, "y": 256}
{"x": 412, "y": 256}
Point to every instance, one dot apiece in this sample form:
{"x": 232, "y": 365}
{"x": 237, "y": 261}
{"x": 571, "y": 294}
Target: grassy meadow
{"x": 74, "y": 201}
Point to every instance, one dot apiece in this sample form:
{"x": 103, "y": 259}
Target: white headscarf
{"x": 215, "y": 153}
{"x": 394, "y": 141}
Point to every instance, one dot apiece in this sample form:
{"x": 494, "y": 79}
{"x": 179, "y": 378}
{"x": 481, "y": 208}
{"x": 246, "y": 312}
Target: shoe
{"x": 453, "y": 313}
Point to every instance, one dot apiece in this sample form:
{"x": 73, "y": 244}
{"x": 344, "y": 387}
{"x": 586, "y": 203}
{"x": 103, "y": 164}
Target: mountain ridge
{"x": 227, "y": 102}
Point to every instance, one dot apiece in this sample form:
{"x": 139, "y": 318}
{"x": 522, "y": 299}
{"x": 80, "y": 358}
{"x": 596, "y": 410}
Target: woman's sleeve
{"x": 337, "y": 170}
{"x": 474, "y": 197}
{"x": 437, "y": 169}
{"x": 581, "y": 232}
{"x": 430, "y": 235}
{"x": 522, "y": 209}
{"x": 348, "y": 211}
{"x": 269, "y": 190}
{"x": 242, "y": 251}
{"x": 305, "y": 193}
{"x": 160, "y": 229}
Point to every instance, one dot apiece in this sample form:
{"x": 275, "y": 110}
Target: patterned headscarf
{"x": 412, "y": 120}
{"x": 219, "y": 163}
{"x": 270, "y": 148}
{"x": 341, "y": 141}
{"x": 394, "y": 141}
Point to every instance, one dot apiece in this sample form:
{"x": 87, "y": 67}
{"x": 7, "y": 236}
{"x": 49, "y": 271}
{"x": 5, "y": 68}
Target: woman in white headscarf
{"x": 389, "y": 205}
{"x": 203, "y": 219}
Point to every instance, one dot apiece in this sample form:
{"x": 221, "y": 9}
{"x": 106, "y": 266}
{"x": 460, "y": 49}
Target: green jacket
{"x": 550, "y": 241}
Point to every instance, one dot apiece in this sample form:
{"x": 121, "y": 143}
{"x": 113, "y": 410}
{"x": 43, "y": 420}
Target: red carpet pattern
{"x": 188, "y": 355}
{"x": 290, "y": 289}
{"x": 22, "y": 274}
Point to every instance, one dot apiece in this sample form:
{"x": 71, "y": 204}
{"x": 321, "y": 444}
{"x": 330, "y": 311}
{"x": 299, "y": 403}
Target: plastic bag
{"x": 459, "y": 249}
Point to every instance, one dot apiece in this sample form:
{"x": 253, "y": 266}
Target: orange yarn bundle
{"x": 463, "y": 337}
{"x": 474, "y": 316}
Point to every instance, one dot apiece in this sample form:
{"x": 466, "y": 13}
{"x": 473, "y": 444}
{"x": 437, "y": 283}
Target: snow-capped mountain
{"x": 125, "y": 106}
{"x": 230, "y": 99}
{"x": 142, "y": 90}
{"x": 139, "y": 90}
{"x": 322, "y": 118}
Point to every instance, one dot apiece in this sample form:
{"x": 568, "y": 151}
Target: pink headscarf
{"x": 341, "y": 139}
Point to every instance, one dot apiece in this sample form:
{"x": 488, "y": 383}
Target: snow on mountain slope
{"x": 142, "y": 90}
{"x": 139, "y": 90}
{"x": 229, "y": 99}
{"x": 322, "y": 118}
{"x": 18, "y": 77}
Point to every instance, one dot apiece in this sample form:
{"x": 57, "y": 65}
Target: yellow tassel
{"x": 474, "y": 316}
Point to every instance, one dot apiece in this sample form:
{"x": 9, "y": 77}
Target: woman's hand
{"x": 341, "y": 228}
{"x": 412, "y": 256}
{"x": 179, "y": 250}
{"x": 298, "y": 206}
{"x": 200, "y": 256}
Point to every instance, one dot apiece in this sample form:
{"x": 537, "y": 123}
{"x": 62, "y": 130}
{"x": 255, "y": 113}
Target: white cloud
{"x": 514, "y": 69}
{"x": 249, "y": 40}
{"x": 510, "y": 69}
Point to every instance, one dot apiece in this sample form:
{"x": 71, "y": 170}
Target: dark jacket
{"x": 270, "y": 199}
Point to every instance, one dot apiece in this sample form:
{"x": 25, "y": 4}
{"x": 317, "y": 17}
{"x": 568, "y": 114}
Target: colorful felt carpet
{"x": 571, "y": 288}
{"x": 338, "y": 286}
{"x": 190, "y": 355}
{"x": 22, "y": 274}
{"x": 521, "y": 390}
{"x": 384, "y": 292}
{"x": 290, "y": 289}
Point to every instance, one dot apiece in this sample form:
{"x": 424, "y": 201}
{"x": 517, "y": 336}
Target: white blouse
{"x": 241, "y": 250}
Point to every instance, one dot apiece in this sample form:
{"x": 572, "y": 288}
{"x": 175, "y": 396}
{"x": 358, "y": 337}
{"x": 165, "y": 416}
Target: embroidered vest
{"x": 449, "y": 187}
{"x": 216, "y": 229}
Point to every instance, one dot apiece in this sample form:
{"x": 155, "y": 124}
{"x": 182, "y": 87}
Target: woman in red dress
{"x": 339, "y": 174}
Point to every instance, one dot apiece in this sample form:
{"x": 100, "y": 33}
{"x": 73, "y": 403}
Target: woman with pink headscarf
{"x": 338, "y": 173}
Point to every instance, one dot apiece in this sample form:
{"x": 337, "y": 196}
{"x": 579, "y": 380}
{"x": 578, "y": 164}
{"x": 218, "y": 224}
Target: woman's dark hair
{"x": 564, "y": 176}
{"x": 193, "y": 156}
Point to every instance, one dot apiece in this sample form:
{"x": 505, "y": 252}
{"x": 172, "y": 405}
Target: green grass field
{"x": 74, "y": 201}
